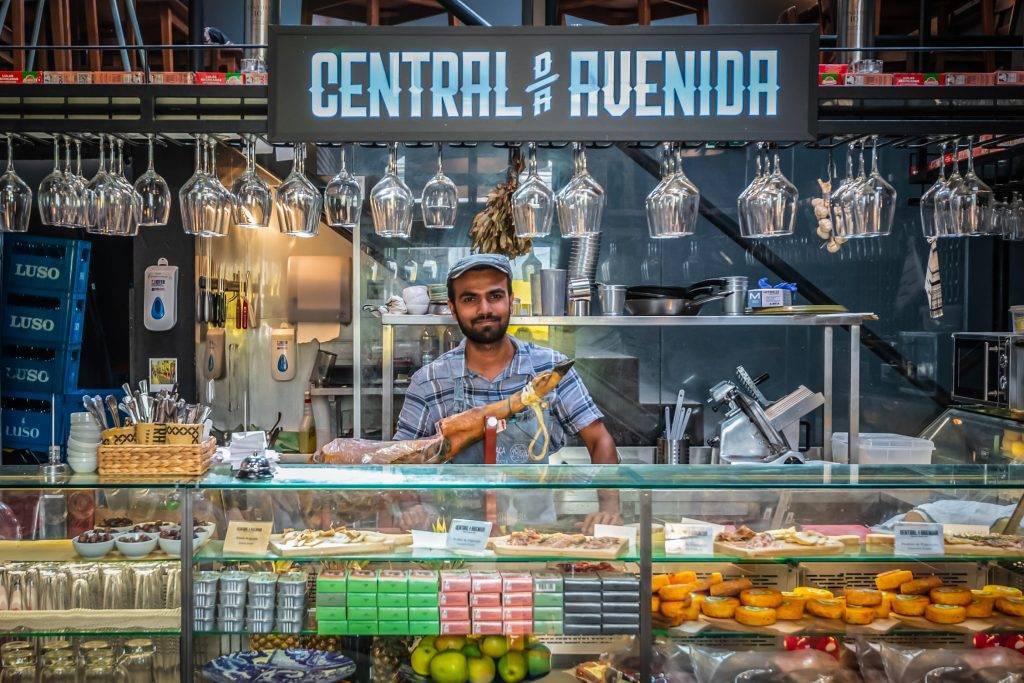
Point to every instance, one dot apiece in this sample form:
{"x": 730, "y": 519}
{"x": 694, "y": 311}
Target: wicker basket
{"x": 157, "y": 458}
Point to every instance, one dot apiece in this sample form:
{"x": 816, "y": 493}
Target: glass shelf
{"x": 693, "y": 477}
{"x": 95, "y": 633}
{"x": 212, "y": 552}
{"x": 247, "y": 634}
{"x": 659, "y": 556}
{"x": 817, "y": 475}
{"x": 827, "y": 320}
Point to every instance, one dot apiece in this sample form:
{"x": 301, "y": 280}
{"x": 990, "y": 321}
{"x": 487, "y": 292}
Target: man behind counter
{"x": 490, "y": 365}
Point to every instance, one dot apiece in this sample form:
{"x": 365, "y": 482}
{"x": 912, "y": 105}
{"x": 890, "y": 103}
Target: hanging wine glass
{"x": 216, "y": 203}
{"x": 187, "y": 199}
{"x": 53, "y": 191}
{"x": 581, "y": 202}
{"x": 743, "y": 201}
{"x": 878, "y": 197}
{"x": 1015, "y": 219}
{"x": 152, "y": 193}
{"x": 533, "y": 203}
{"x": 253, "y": 197}
{"x": 976, "y": 199}
{"x": 840, "y": 202}
{"x": 126, "y": 223}
{"x": 948, "y": 209}
{"x": 930, "y": 225}
{"x": 71, "y": 209}
{"x": 81, "y": 189}
{"x": 687, "y": 203}
{"x": 440, "y": 199}
{"x": 391, "y": 201}
{"x": 92, "y": 209}
{"x": 15, "y": 197}
{"x": 343, "y": 198}
{"x": 298, "y": 202}
{"x": 774, "y": 204}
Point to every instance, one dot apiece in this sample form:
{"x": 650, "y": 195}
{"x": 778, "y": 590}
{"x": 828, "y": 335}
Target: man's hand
{"x": 599, "y": 517}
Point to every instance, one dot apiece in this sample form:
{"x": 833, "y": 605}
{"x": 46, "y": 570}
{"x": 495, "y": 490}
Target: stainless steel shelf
{"x": 829, "y": 320}
{"x": 349, "y": 391}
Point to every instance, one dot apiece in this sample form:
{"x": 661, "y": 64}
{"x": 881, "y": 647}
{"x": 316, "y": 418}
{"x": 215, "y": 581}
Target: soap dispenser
{"x": 282, "y": 353}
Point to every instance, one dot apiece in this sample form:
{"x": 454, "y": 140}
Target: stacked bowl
{"x": 83, "y": 443}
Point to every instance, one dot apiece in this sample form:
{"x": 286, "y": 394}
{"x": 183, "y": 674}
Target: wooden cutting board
{"x": 784, "y": 550}
{"x": 500, "y": 546}
{"x": 779, "y": 628}
{"x": 969, "y": 626}
{"x": 375, "y": 543}
{"x": 887, "y": 542}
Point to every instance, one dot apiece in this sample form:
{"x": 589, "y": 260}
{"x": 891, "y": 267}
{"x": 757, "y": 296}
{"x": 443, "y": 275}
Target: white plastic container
{"x": 884, "y": 449}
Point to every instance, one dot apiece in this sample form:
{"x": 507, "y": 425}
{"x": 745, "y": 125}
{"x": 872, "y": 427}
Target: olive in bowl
{"x": 120, "y": 524}
{"x": 93, "y": 544}
{"x": 170, "y": 541}
{"x": 136, "y": 544}
{"x": 148, "y": 527}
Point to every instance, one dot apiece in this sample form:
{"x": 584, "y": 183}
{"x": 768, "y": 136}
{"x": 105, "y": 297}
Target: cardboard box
{"x": 392, "y": 599}
{"x": 868, "y": 79}
{"x": 970, "y": 78}
{"x": 331, "y": 582}
{"x": 485, "y": 599}
{"x": 454, "y": 613}
{"x": 363, "y": 628}
{"x": 332, "y": 628}
{"x": 327, "y": 599}
{"x": 218, "y": 78}
{"x": 392, "y": 614}
{"x": 582, "y": 629}
{"x": 456, "y": 581}
{"x": 362, "y": 599}
{"x": 67, "y": 77}
{"x": 424, "y": 614}
{"x": 487, "y": 628}
{"x": 594, "y": 597}
{"x": 547, "y": 600}
{"x": 392, "y": 581}
{"x": 424, "y": 628}
{"x": 19, "y": 77}
{"x": 459, "y": 599}
{"x": 620, "y": 596}
{"x": 1009, "y": 77}
{"x": 254, "y": 78}
{"x": 548, "y": 614}
{"x": 832, "y": 74}
{"x": 361, "y": 582}
{"x": 393, "y": 628}
{"x": 171, "y": 77}
{"x": 118, "y": 77}
{"x": 422, "y": 581}
{"x": 455, "y": 628}
{"x": 362, "y": 613}
{"x": 486, "y": 582}
{"x": 517, "y": 613}
{"x": 547, "y": 628}
{"x": 486, "y": 614}
{"x": 516, "y": 582}
{"x": 919, "y": 78}
{"x": 330, "y": 614}
{"x": 547, "y": 582}
{"x": 518, "y": 628}
{"x": 423, "y": 599}
{"x": 517, "y": 599}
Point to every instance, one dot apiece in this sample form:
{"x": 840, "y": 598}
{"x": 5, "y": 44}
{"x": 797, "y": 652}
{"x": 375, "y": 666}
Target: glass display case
{"x": 976, "y": 434}
{"x": 352, "y": 561}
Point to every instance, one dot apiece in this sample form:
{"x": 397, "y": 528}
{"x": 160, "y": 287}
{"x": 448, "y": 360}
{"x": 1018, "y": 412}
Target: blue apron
{"x": 515, "y": 507}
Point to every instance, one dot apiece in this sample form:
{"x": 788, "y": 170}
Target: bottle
{"x": 426, "y": 347}
{"x": 531, "y": 266}
{"x": 448, "y": 340}
{"x": 307, "y": 428}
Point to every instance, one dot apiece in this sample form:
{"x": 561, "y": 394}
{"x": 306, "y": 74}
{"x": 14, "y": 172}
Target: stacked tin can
{"x": 259, "y": 612}
{"x": 204, "y": 599}
{"x": 291, "y": 602}
{"x": 231, "y": 598}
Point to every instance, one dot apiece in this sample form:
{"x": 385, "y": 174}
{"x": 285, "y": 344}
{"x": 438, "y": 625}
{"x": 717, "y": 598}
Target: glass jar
{"x": 59, "y": 666}
{"x": 19, "y": 667}
{"x": 16, "y": 649}
{"x": 99, "y": 668}
{"x": 135, "y": 665}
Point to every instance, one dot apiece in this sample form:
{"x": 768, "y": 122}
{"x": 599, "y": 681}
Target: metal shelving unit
{"x": 828, "y": 323}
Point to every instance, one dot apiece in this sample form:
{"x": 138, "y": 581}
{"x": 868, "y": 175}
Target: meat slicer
{"x": 756, "y": 430}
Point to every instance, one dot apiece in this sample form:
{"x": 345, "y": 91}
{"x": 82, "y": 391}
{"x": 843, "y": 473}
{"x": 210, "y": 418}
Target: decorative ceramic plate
{"x": 279, "y": 665}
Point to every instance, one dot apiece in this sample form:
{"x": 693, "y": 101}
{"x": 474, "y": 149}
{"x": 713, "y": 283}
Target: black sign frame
{"x": 291, "y": 49}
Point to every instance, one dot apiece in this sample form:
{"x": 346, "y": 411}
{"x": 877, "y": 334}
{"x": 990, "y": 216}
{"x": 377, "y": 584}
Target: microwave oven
{"x": 988, "y": 369}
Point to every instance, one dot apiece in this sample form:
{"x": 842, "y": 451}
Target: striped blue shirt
{"x": 431, "y": 393}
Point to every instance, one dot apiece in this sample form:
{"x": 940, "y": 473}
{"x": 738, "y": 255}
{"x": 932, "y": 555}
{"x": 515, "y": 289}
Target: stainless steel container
{"x": 612, "y": 298}
{"x": 699, "y": 455}
{"x": 535, "y": 303}
{"x": 580, "y": 307}
{"x": 735, "y": 289}
{"x": 552, "y": 291}
{"x": 670, "y": 452}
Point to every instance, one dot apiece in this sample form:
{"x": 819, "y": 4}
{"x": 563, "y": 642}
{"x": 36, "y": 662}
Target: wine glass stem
{"x": 10, "y": 154}
{"x": 150, "y": 152}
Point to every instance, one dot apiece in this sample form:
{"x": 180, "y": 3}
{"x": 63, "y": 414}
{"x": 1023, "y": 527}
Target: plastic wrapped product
{"x": 913, "y": 665}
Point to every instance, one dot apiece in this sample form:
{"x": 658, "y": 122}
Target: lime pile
{"x": 479, "y": 659}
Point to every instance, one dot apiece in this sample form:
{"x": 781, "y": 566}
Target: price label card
{"x": 913, "y": 539}
{"x": 468, "y": 534}
{"x": 247, "y": 538}
{"x": 689, "y": 539}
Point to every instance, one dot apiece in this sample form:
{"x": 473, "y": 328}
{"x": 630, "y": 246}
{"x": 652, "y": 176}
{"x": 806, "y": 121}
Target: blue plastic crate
{"x": 39, "y": 316}
{"x": 41, "y": 368}
{"x": 52, "y": 263}
{"x": 26, "y": 417}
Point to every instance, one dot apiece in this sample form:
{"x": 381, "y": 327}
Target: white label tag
{"x": 468, "y": 534}
{"x": 913, "y": 539}
{"x": 689, "y": 539}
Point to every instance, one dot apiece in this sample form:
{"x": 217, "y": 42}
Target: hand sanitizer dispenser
{"x": 213, "y": 359}
{"x": 282, "y": 353}
{"x": 161, "y": 296}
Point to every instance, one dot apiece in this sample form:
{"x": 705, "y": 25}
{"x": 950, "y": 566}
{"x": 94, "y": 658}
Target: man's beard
{"x": 489, "y": 336}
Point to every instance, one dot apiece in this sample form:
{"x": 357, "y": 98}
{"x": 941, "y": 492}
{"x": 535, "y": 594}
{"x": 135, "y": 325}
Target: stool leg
{"x": 37, "y": 24}
{"x": 129, "y": 6}
{"x": 115, "y": 13}
{"x": 92, "y": 31}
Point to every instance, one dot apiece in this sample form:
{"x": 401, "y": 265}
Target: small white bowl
{"x": 136, "y": 549}
{"x": 93, "y": 551}
{"x": 173, "y": 546}
{"x": 83, "y": 466}
{"x": 85, "y": 447}
{"x": 84, "y": 436}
